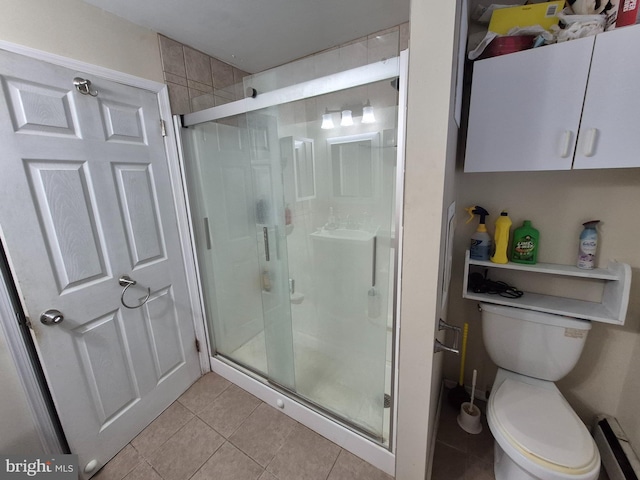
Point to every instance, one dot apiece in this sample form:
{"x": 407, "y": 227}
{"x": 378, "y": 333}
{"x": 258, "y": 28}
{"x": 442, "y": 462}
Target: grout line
{"x": 152, "y": 468}
{"x": 246, "y": 418}
{"x": 209, "y": 457}
{"x": 334, "y": 462}
{"x": 283, "y": 441}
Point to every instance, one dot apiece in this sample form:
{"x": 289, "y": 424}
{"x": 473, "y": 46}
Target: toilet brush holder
{"x": 469, "y": 418}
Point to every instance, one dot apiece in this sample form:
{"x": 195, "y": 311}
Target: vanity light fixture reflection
{"x": 347, "y": 114}
{"x": 327, "y": 121}
{"x": 367, "y": 114}
{"x": 347, "y": 119}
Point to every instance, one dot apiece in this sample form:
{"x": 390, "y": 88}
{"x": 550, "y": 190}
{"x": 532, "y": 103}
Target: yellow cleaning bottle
{"x": 501, "y": 239}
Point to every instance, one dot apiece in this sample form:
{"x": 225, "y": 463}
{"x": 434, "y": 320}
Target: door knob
{"x": 51, "y": 317}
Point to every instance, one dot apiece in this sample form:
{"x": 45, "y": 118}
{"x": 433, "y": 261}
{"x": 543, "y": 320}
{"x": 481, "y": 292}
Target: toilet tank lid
{"x": 541, "y": 422}
{"x": 537, "y": 317}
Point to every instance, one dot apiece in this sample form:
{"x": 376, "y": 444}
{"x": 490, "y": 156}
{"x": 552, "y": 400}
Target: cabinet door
{"x": 610, "y": 128}
{"x": 525, "y": 108}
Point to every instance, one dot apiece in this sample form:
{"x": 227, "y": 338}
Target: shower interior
{"x": 294, "y": 226}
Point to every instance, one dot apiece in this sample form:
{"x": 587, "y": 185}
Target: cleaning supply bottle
{"x": 588, "y": 245}
{"x": 525, "y": 244}
{"x": 501, "y": 238}
{"x": 480, "y": 240}
{"x": 265, "y": 280}
{"x": 332, "y": 222}
{"x": 287, "y": 215}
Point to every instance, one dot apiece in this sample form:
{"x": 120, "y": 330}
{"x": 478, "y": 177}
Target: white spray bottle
{"x": 480, "y": 241}
{"x": 588, "y": 245}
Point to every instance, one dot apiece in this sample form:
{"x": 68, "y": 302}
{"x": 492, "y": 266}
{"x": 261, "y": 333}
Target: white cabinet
{"x": 616, "y": 284}
{"x": 526, "y": 107}
{"x": 610, "y": 128}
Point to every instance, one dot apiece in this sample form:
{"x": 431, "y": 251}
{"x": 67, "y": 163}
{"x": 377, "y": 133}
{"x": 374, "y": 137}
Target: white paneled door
{"x": 85, "y": 197}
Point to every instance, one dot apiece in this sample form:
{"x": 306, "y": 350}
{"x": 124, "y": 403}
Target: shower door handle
{"x": 207, "y": 233}
{"x": 373, "y": 261}
{"x": 265, "y": 237}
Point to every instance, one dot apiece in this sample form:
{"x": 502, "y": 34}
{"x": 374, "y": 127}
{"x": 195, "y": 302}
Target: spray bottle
{"x": 480, "y": 240}
{"x": 588, "y": 245}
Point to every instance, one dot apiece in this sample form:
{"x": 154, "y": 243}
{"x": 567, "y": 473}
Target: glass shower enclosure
{"x": 293, "y": 205}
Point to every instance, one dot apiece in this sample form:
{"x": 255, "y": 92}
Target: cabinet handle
{"x": 590, "y": 142}
{"x": 566, "y": 143}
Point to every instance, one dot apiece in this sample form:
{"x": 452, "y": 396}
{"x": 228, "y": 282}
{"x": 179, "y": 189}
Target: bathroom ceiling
{"x": 257, "y": 35}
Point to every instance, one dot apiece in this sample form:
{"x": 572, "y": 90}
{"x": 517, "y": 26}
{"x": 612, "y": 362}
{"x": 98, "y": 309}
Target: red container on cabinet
{"x": 505, "y": 45}
{"x": 627, "y": 13}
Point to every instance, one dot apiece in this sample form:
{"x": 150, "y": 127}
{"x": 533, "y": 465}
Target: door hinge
{"x": 197, "y": 345}
{"x": 23, "y": 320}
{"x": 163, "y": 128}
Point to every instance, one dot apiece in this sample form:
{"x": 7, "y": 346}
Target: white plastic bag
{"x": 578, "y": 26}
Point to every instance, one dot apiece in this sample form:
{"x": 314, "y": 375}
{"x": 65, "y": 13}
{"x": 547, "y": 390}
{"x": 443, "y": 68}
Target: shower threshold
{"x": 351, "y": 437}
{"x": 328, "y": 413}
{"x": 332, "y": 390}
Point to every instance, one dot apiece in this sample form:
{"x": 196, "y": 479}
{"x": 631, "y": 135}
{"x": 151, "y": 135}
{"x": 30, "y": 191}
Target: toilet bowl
{"x": 537, "y": 434}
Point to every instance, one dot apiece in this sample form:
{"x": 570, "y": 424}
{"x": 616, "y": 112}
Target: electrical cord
{"x": 482, "y": 284}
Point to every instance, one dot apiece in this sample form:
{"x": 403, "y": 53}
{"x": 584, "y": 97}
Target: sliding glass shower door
{"x": 294, "y": 221}
{"x": 237, "y": 204}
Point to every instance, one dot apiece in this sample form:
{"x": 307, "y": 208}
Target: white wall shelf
{"x": 616, "y": 281}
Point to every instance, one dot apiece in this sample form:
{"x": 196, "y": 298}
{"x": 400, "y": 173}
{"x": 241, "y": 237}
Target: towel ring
{"x": 126, "y": 281}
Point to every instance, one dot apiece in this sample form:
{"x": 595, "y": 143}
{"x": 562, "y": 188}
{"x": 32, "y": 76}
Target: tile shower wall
{"x": 372, "y": 48}
{"x": 195, "y": 80}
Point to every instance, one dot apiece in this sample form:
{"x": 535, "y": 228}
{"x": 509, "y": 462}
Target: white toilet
{"x": 537, "y": 434}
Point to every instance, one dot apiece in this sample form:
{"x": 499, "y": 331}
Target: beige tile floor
{"x": 460, "y": 455}
{"x": 216, "y": 430}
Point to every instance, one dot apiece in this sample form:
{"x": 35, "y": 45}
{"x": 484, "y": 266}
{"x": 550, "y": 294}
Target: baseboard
{"x": 434, "y": 435}
{"x": 480, "y": 394}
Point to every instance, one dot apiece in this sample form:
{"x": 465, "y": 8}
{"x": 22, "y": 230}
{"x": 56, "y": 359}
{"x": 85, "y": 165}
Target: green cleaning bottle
{"x": 525, "y": 244}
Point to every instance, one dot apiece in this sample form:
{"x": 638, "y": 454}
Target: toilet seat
{"x": 539, "y": 424}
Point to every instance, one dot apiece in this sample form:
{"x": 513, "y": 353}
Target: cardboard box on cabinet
{"x": 543, "y": 14}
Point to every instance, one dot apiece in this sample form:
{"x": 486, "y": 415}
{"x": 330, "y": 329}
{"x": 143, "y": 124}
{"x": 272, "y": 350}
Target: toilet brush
{"x": 473, "y": 391}
{"x": 458, "y": 394}
{"x": 469, "y": 418}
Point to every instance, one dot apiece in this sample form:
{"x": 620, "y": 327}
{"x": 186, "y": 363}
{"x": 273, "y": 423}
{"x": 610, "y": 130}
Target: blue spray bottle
{"x": 480, "y": 240}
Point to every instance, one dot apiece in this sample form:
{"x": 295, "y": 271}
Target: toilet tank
{"x": 536, "y": 344}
